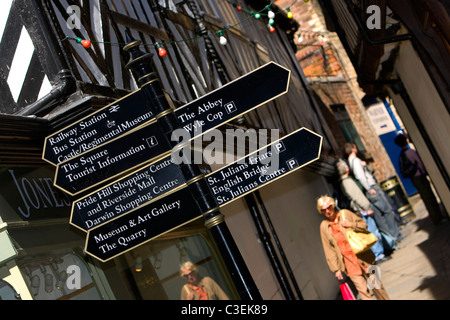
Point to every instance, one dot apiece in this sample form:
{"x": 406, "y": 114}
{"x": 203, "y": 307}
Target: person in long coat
{"x": 362, "y": 206}
{"x": 338, "y": 253}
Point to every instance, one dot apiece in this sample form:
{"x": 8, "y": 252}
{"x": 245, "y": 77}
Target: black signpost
{"x": 160, "y": 195}
{"x": 99, "y": 127}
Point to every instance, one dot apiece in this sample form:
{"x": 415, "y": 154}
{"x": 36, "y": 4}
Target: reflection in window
{"x": 7, "y": 291}
{"x": 58, "y": 275}
{"x": 155, "y": 268}
{"x": 198, "y": 286}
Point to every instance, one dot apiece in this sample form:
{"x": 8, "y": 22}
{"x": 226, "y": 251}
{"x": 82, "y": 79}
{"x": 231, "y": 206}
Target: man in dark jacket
{"x": 420, "y": 181}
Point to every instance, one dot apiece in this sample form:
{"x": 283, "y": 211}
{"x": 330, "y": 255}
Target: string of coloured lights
{"x": 266, "y": 12}
{"x": 304, "y": 35}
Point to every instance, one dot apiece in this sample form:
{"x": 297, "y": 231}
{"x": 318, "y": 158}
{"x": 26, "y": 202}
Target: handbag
{"x": 359, "y": 241}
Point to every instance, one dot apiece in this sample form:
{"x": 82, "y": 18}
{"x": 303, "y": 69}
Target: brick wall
{"x": 334, "y": 80}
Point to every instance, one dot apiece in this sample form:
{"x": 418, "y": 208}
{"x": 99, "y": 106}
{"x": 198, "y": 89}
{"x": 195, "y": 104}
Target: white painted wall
{"x": 290, "y": 202}
{"x": 22, "y": 57}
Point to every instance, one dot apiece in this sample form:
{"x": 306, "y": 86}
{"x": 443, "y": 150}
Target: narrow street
{"x": 420, "y": 267}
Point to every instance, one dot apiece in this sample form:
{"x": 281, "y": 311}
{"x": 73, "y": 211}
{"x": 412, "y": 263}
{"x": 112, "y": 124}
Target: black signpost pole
{"x": 140, "y": 64}
{"x": 277, "y": 242}
{"x": 264, "y": 236}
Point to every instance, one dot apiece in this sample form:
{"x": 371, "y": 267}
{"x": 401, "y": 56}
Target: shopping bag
{"x": 347, "y": 293}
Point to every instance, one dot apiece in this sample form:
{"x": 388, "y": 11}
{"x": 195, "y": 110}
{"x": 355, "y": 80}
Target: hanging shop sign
{"x": 126, "y": 194}
{"x": 173, "y": 210}
{"x": 104, "y": 125}
{"x": 380, "y": 118}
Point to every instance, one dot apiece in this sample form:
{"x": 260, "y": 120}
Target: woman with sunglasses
{"x": 199, "y": 288}
{"x": 339, "y": 255}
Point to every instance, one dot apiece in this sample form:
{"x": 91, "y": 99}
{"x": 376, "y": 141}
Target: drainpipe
{"x": 279, "y": 246}
{"x": 268, "y": 246}
{"x": 67, "y": 83}
{"x": 201, "y": 30}
{"x": 58, "y": 94}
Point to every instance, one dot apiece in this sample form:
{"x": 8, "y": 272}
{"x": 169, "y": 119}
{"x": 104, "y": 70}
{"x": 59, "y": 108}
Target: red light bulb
{"x": 162, "y": 52}
{"x": 86, "y": 43}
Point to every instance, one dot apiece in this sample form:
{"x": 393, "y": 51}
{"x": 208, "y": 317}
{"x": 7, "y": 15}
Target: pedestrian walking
{"x": 338, "y": 253}
{"x": 362, "y": 206}
{"x": 373, "y": 192}
{"x": 412, "y": 167}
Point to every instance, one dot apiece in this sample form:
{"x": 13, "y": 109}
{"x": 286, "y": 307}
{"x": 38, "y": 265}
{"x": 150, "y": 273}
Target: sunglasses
{"x": 330, "y": 207}
{"x": 186, "y": 275}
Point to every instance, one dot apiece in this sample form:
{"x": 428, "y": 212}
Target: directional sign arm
{"x": 101, "y": 126}
{"x": 94, "y": 166}
{"x": 234, "y": 99}
{"x": 264, "y": 166}
{"x": 149, "y": 221}
{"x": 141, "y": 225}
{"x": 121, "y": 196}
{"x": 111, "y": 159}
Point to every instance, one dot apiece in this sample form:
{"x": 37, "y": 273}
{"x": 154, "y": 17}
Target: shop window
{"x": 58, "y": 275}
{"x": 7, "y": 291}
{"x": 154, "y": 269}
